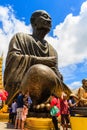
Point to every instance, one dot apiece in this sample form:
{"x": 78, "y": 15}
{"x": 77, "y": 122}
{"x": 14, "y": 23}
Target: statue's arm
{"x": 49, "y": 61}
{"x": 17, "y": 60}
{"x": 19, "y": 48}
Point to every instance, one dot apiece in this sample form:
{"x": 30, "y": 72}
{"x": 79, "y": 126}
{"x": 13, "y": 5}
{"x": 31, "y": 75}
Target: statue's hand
{"x": 49, "y": 61}
{"x": 52, "y": 61}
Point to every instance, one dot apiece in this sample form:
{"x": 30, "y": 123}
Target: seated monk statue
{"x": 82, "y": 93}
{"x": 31, "y": 63}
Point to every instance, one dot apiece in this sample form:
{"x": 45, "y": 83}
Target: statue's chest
{"x": 85, "y": 95}
{"x": 39, "y": 49}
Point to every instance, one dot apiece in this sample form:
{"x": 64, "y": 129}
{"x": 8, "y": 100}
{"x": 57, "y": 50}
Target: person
{"x": 10, "y": 113}
{"x": 20, "y": 104}
{"x": 55, "y": 102}
{"x": 0, "y": 103}
{"x": 82, "y": 93}
{"x": 29, "y": 55}
{"x": 64, "y": 110}
{"x": 14, "y": 110}
{"x": 27, "y": 99}
{"x": 73, "y": 102}
{"x": 24, "y": 115}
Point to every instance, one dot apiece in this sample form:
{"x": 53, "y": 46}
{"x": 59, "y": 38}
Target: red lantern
{"x": 1, "y": 94}
{"x": 3, "y": 98}
{"x": 5, "y": 93}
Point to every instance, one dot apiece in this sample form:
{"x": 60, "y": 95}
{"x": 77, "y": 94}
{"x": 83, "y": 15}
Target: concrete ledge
{"x": 78, "y": 123}
{"x": 4, "y": 117}
{"x": 39, "y": 123}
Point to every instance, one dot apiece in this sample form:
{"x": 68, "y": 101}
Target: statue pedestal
{"x": 4, "y": 117}
{"x": 80, "y": 110}
{"x": 34, "y": 123}
{"x": 78, "y": 123}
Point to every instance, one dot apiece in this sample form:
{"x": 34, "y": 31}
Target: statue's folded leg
{"x": 41, "y": 81}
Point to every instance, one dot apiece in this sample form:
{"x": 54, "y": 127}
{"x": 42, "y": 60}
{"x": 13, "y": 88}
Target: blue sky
{"x": 68, "y": 33}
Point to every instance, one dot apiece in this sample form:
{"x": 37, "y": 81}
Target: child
{"x": 10, "y": 114}
{"x": 20, "y": 104}
{"x": 24, "y": 115}
{"x": 27, "y": 99}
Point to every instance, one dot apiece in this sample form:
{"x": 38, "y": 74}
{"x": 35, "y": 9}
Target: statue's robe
{"x": 25, "y": 51}
{"x": 82, "y": 94}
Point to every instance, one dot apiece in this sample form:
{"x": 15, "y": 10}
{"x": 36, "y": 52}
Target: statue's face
{"x": 42, "y": 21}
{"x": 85, "y": 83}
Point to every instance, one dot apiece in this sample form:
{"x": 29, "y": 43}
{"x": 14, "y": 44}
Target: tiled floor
{"x": 6, "y": 126}
{"x": 9, "y": 126}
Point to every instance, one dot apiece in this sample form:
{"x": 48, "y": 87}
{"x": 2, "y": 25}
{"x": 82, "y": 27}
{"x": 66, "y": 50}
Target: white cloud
{"x": 69, "y": 72}
{"x": 71, "y": 38}
{"x": 75, "y": 85}
{"x": 70, "y": 41}
{"x": 9, "y": 25}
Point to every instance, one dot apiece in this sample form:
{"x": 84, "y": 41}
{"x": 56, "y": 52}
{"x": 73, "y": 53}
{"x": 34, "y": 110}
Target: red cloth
{"x": 64, "y": 106}
{"x": 55, "y": 102}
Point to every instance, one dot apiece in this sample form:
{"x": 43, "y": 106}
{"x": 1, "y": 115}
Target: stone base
{"x": 80, "y": 110}
{"x": 33, "y": 123}
{"x": 4, "y": 117}
{"x": 78, "y": 123}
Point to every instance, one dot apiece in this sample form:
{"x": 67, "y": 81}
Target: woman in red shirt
{"x": 55, "y": 102}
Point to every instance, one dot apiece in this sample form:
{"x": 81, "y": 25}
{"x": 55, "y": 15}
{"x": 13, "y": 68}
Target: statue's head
{"x": 41, "y": 20}
{"x": 84, "y": 82}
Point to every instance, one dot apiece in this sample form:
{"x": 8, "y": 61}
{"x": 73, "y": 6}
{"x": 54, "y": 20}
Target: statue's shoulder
{"x": 22, "y": 35}
{"x": 50, "y": 46}
{"x": 52, "y": 49}
{"x": 81, "y": 89}
{"x": 20, "y": 38}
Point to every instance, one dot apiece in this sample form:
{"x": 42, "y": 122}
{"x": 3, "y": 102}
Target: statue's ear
{"x": 33, "y": 22}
